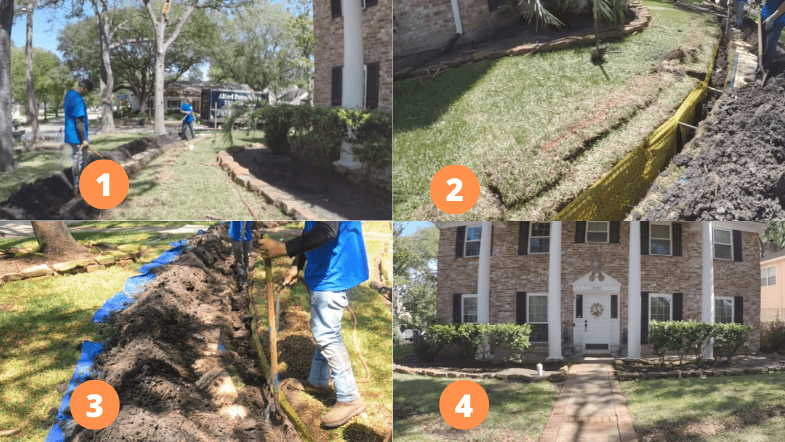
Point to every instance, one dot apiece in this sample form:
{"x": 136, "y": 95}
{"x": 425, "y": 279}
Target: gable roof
{"x": 772, "y": 256}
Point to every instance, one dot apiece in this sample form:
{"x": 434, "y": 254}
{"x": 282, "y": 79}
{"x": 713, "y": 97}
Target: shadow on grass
{"x": 420, "y": 104}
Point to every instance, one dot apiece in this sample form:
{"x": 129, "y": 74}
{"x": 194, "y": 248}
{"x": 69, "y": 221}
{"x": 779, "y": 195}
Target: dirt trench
{"x": 735, "y": 168}
{"x": 52, "y": 197}
{"x": 180, "y": 358}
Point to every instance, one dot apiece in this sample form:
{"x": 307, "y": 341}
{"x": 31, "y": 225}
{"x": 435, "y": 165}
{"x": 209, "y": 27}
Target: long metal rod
{"x": 688, "y": 125}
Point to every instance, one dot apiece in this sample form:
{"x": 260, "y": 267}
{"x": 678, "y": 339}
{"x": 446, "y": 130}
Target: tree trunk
{"x": 107, "y": 76}
{"x": 54, "y": 238}
{"x": 160, "y": 56}
{"x": 7, "y": 162}
{"x": 32, "y": 103}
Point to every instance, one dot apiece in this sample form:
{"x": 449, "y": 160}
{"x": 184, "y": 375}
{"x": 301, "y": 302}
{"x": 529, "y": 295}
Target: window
{"x": 723, "y": 310}
{"x": 597, "y": 231}
{"x": 723, "y": 244}
{"x": 472, "y": 245}
{"x": 660, "y": 239}
{"x": 469, "y": 308}
{"x": 538, "y": 309}
{"x": 369, "y": 3}
{"x": 660, "y": 307}
{"x": 335, "y": 7}
{"x": 539, "y": 237}
{"x": 173, "y": 104}
{"x": 768, "y": 276}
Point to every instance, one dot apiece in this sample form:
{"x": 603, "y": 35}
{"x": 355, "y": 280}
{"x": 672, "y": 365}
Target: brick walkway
{"x": 590, "y": 407}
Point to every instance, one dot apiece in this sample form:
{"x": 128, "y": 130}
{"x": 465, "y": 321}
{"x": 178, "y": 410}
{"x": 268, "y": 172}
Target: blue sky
{"x": 46, "y": 24}
{"x": 413, "y": 226}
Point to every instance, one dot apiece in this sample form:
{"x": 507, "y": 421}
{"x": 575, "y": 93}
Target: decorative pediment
{"x": 596, "y": 283}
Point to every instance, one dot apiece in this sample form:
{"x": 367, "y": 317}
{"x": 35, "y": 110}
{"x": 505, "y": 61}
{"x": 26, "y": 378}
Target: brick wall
{"x": 328, "y": 48}
{"x": 511, "y": 273}
{"x": 428, "y": 24}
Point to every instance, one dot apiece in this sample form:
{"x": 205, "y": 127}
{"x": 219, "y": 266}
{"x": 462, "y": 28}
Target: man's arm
{"x": 320, "y": 235}
{"x": 80, "y": 130}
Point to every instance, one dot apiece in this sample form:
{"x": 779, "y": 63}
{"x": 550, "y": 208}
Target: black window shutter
{"x": 579, "y": 306}
{"x": 337, "y": 86}
{"x": 676, "y": 229}
{"x": 520, "y": 308}
{"x": 644, "y": 317}
{"x": 372, "y": 86}
{"x": 737, "y": 255}
{"x": 614, "y": 306}
{"x": 580, "y": 232}
{"x": 615, "y": 226}
{"x": 369, "y": 3}
{"x": 678, "y": 307}
{"x": 456, "y": 308}
{"x": 460, "y": 237}
{"x": 335, "y": 6}
{"x": 644, "y": 237}
{"x": 523, "y": 238}
{"x": 738, "y": 309}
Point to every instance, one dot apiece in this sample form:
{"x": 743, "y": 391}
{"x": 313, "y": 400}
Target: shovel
{"x": 271, "y": 319}
{"x": 761, "y": 48}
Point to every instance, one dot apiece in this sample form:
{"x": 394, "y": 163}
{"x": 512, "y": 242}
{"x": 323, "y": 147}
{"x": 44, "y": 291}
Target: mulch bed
{"x": 163, "y": 358}
{"x": 471, "y": 365}
{"x": 650, "y": 368}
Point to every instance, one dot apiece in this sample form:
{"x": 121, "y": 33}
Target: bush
{"x": 423, "y": 348}
{"x": 469, "y": 337}
{"x": 277, "y": 123}
{"x": 372, "y": 141}
{"x": 691, "y": 337}
{"x": 772, "y": 336}
{"x": 316, "y": 132}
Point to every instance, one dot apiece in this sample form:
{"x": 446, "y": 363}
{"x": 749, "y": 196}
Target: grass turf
{"x": 517, "y": 411}
{"x": 41, "y": 323}
{"x": 188, "y": 187}
{"x": 736, "y": 408}
{"x": 539, "y": 129}
{"x": 42, "y": 163}
{"x": 401, "y": 351}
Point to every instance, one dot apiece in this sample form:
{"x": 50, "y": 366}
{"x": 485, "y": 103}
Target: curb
{"x": 638, "y": 24}
{"x": 552, "y": 377}
{"x": 88, "y": 265}
{"x": 282, "y": 200}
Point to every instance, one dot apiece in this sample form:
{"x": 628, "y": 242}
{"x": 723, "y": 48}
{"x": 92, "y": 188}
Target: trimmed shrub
{"x": 772, "y": 336}
{"x": 692, "y": 337}
{"x": 317, "y": 133}
{"x": 277, "y": 123}
{"x": 469, "y": 337}
{"x": 423, "y": 348}
{"x": 728, "y": 338}
{"x": 372, "y": 141}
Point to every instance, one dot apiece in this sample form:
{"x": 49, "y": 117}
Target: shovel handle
{"x": 268, "y": 267}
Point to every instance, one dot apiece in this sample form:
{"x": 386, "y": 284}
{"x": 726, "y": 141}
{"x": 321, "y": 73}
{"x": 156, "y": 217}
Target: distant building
{"x": 772, "y": 290}
{"x": 176, "y": 92}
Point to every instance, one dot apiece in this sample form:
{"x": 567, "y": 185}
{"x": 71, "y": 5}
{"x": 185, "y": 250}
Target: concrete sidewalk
{"x": 590, "y": 407}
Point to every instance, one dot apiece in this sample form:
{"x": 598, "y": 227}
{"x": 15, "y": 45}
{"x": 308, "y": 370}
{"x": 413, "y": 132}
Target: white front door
{"x": 597, "y": 323}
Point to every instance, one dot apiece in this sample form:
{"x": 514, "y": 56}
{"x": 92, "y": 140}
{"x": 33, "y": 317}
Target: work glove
{"x": 270, "y": 248}
{"x": 768, "y": 24}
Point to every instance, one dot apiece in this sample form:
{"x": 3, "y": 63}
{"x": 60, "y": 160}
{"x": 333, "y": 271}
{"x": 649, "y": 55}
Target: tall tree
{"x": 32, "y": 103}
{"x": 59, "y": 81}
{"x": 414, "y": 272}
{"x": 7, "y": 161}
{"x": 54, "y": 238}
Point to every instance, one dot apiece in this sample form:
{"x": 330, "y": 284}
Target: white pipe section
{"x": 484, "y": 275}
{"x": 456, "y": 15}
{"x": 634, "y": 293}
{"x": 554, "y": 293}
{"x": 707, "y": 283}
{"x": 353, "y": 84}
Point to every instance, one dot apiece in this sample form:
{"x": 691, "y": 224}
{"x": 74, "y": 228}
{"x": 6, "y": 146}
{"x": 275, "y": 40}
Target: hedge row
{"x": 469, "y": 337}
{"x": 691, "y": 337}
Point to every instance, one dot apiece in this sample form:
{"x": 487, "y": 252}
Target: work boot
{"x": 242, "y": 280}
{"x": 342, "y": 412}
{"x": 295, "y": 385}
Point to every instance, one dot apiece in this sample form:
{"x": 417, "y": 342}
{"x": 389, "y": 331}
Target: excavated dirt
{"x": 52, "y": 197}
{"x": 165, "y": 359}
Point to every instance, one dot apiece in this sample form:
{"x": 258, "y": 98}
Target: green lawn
{"x": 41, "y": 323}
{"x": 42, "y": 163}
{"x": 186, "y": 186}
{"x": 539, "y": 129}
{"x": 736, "y": 408}
{"x": 401, "y": 351}
{"x": 517, "y": 411}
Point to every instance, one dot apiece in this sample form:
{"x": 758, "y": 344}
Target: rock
{"x": 735, "y": 372}
{"x": 39, "y": 270}
{"x": 66, "y": 267}
{"x": 104, "y": 260}
{"x": 94, "y": 268}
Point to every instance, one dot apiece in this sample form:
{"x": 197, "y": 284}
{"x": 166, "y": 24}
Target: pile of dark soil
{"x": 178, "y": 354}
{"x": 738, "y": 171}
{"x": 53, "y": 198}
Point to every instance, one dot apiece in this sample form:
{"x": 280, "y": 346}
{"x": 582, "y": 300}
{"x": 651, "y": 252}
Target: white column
{"x": 554, "y": 293}
{"x": 634, "y": 293}
{"x": 707, "y": 284}
{"x": 484, "y": 276}
{"x": 353, "y": 85}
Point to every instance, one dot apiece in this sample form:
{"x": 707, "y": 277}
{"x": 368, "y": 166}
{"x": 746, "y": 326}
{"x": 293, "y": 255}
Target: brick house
{"x": 772, "y": 291}
{"x": 353, "y": 53}
{"x": 608, "y": 279}
{"x": 428, "y": 24}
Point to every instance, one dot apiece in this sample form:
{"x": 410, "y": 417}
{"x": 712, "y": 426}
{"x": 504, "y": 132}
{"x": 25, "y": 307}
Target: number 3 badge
{"x": 95, "y": 405}
{"x": 464, "y": 405}
{"x": 455, "y": 189}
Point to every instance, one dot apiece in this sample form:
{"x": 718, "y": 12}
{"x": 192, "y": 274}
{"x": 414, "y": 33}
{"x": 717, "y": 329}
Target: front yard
{"x": 737, "y": 408}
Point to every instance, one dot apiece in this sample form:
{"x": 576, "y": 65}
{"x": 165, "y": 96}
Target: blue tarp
{"x": 134, "y": 285}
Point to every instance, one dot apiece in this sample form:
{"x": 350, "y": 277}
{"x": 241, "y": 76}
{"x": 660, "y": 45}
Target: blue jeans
{"x": 332, "y": 358}
{"x": 190, "y": 126}
{"x": 79, "y": 159}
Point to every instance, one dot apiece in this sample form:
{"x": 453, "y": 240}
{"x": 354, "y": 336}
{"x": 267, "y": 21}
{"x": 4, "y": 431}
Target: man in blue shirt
{"x": 188, "y": 121}
{"x": 242, "y": 241}
{"x": 335, "y": 261}
{"x": 76, "y": 128}
{"x": 773, "y": 24}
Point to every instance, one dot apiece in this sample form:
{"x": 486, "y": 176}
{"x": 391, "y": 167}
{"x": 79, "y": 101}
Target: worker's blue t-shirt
{"x": 74, "y": 108}
{"x": 187, "y": 108}
{"x": 341, "y": 263}
{"x": 236, "y": 227}
{"x": 770, "y": 7}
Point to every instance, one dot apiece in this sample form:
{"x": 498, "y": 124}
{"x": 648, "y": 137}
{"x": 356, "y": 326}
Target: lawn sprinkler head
{"x": 539, "y": 369}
